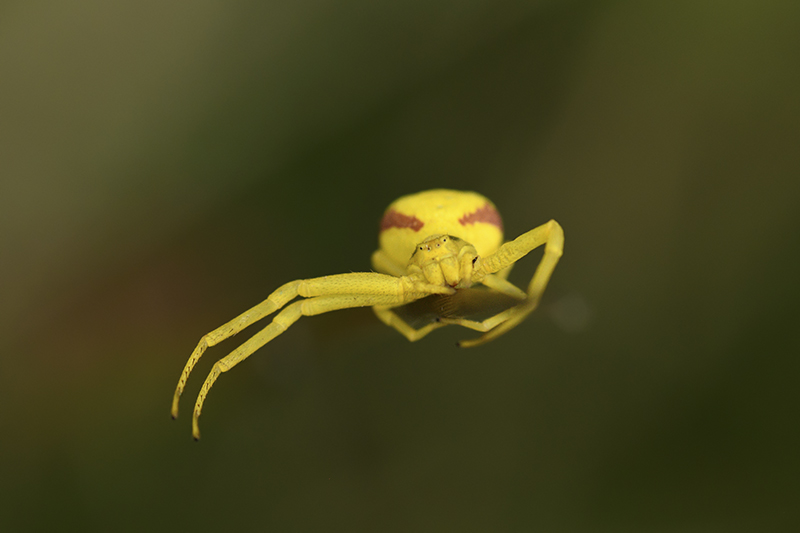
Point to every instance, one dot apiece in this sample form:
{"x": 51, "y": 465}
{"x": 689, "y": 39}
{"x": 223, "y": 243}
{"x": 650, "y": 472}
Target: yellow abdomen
{"x": 466, "y": 215}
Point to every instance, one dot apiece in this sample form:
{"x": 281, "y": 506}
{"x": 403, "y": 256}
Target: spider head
{"x": 444, "y": 260}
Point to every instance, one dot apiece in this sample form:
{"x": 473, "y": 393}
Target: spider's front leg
{"x": 552, "y": 236}
{"x": 324, "y": 294}
{"x": 274, "y": 301}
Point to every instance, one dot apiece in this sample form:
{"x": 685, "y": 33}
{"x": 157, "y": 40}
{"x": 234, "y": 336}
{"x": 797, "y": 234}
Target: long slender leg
{"x": 549, "y": 234}
{"x": 483, "y": 326}
{"x": 401, "y": 290}
{"x": 274, "y": 301}
{"x": 552, "y": 236}
{"x": 391, "y": 319}
{"x": 493, "y": 281}
{"x": 504, "y": 273}
{"x": 281, "y": 322}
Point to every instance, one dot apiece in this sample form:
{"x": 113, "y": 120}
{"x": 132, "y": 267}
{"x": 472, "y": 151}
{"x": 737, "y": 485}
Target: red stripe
{"x": 486, "y": 214}
{"x": 393, "y": 219}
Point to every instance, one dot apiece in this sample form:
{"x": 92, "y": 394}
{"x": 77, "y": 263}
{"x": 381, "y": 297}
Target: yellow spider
{"x": 431, "y": 243}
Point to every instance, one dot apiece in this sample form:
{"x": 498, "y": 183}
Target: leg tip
{"x": 470, "y": 343}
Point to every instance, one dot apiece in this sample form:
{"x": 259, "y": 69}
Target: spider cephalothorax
{"x": 444, "y": 260}
{"x": 434, "y": 242}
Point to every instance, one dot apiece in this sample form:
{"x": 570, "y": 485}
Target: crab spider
{"x": 431, "y": 243}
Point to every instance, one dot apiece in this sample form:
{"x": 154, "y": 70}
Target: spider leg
{"x": 483, "y": 326}
{"x": 504, "y": 273}
{"x": 549, "y": 234}
{"x": 325, "y": 294}
{"x": 391, "y": 319}
{"x": 398, "y": 290}
{"x": 275, "y": 301}
{"x": 494, "y": 281}
{"x": 281, "y": 322}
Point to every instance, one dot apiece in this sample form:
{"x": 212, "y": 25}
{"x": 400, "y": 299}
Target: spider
{"x": 438, "y": 242}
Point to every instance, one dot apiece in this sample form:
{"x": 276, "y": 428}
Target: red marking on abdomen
{"x": 393, "y": 219}
{"x": 486, "y": 214}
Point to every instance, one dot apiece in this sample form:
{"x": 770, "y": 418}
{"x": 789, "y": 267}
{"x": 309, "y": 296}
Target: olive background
{"x": 165, "y": 166}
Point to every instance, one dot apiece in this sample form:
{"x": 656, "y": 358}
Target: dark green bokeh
{"x": 165, "y": 168}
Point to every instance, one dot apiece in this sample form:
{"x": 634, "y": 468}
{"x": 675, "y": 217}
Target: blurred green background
{"x": 164, "y": 166}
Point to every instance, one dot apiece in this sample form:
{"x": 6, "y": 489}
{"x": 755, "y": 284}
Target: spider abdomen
{"x": 412, "y": 219}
